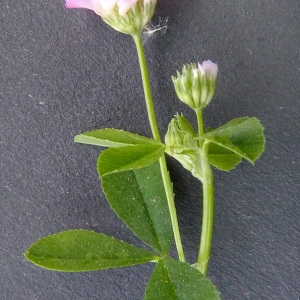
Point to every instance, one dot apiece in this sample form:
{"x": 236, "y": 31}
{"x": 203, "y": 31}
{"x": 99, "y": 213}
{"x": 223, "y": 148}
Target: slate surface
{"x": 64, "y": 72}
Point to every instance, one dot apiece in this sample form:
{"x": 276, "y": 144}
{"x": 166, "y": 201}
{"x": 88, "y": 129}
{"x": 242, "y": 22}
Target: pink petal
{"x": 210, "y": 68}
{"x": 108, "y": 5}
{"x": 89, "y": 4}
{"x": 125, "y": 5}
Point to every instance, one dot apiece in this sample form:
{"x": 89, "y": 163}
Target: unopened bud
{"x": 182, "y": 145}
{"x": 196, "y": 85}
{"x": 180, "y": 135}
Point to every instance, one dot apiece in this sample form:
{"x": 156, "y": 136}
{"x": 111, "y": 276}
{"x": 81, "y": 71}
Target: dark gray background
{"x": 64, "y": 72}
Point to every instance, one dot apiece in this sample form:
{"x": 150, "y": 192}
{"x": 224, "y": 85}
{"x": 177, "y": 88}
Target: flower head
{"x": 196, "y": 85}
{"x": 127, "y": 16}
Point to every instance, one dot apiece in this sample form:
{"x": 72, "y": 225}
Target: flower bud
{"x": 196, "y": 85}
{"x": 184, "y": 125}
{"x": 180, "y": 135}
{"x": 126, "y": 16}
{"x": 181, "y": 145}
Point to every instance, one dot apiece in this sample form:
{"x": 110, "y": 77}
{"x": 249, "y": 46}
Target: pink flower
{"x": 102, "y": 7}
{"x": 127, "y": 16}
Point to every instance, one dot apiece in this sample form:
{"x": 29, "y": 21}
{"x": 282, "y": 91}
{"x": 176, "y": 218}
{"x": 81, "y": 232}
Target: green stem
{"x": 146, "y": 86}
{"x": 162, "y": 161}
{"x": 207, "y": 219}
{"x": 172, "y": 208}
{"x": 208, "y": 203}
{"x": 199, "y": 121}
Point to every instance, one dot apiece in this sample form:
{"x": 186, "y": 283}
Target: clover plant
{"x": 136, "y": 181}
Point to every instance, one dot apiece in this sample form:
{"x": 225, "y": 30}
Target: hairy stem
{"x": 162, "y": 161}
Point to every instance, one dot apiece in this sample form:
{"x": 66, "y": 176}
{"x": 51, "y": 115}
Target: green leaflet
{"x": 83, "y": 250}
{"x": 111, "y": 137}
{"x": 222, "y": 158}
{"x": 128, "y": 158}
{"x": 138, "y": 197}
{"x": 237, "y": 139}
{"x": 174, "y": 280}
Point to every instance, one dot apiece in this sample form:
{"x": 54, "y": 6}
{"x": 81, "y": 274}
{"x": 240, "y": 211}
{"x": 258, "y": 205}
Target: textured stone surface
{"x": 64, "y": 72}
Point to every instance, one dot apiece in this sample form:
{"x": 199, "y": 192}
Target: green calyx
{"x": 135, "y": 19}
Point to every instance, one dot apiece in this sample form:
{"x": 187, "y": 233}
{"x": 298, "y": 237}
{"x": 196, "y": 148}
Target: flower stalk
{"x": 162, "y": 161}
{"x": 146, "y": 87}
